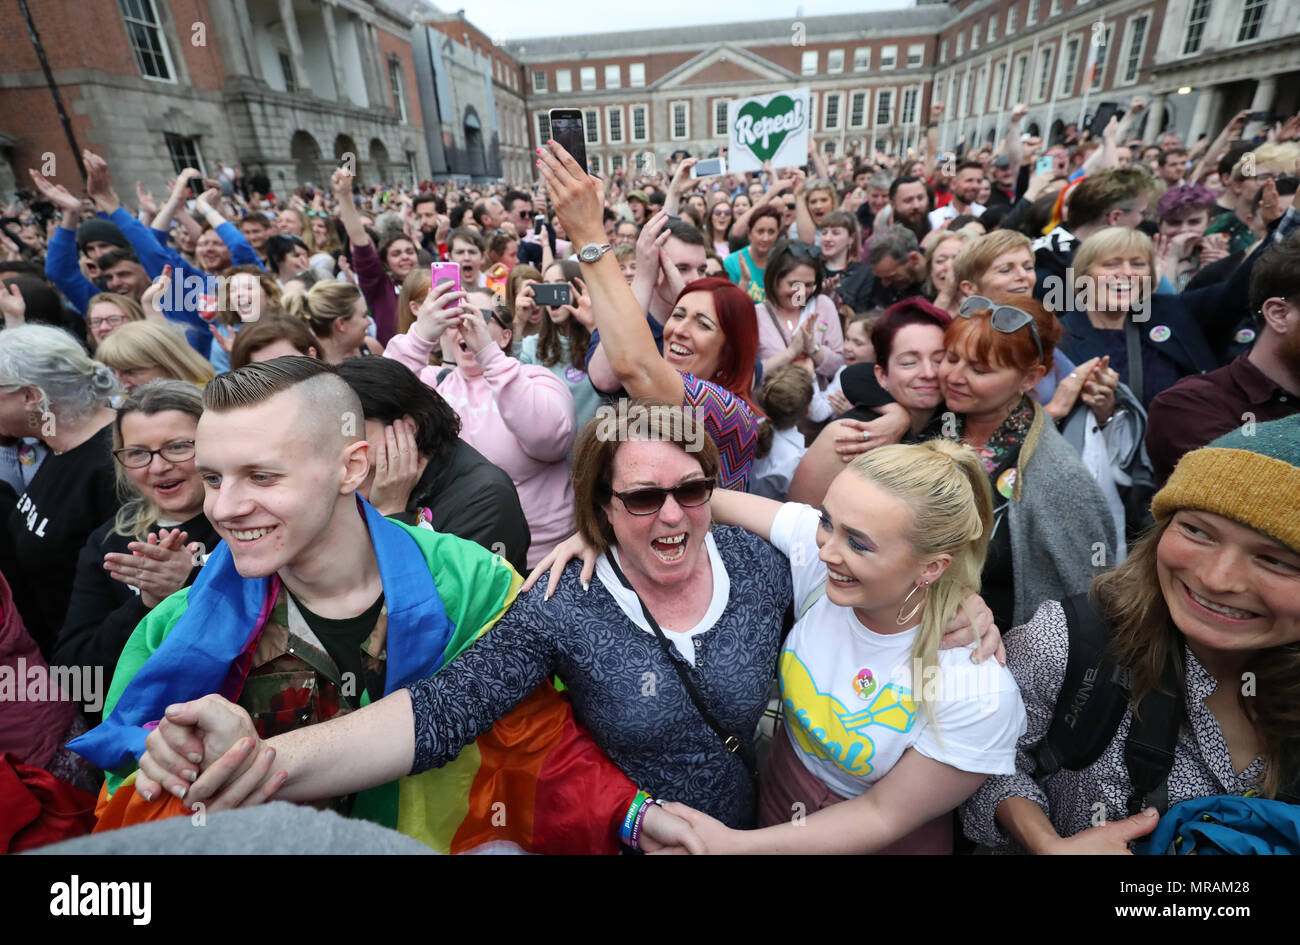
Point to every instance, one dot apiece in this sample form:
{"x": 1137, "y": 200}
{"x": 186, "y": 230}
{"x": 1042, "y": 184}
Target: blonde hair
{"x": 947, "y": 490}
{"x": 129, "y": 307}
{"x": 977, "y": 255}
{"x": 415, "y": 289}
{"x": 1278, "y": 157}
{"x": 138, "y": 515}
{"x": 322, "y": 305}
{"x": 149, "y": 344}
{"x": 933, "y": 248}
{"x": 1106, "y": 242}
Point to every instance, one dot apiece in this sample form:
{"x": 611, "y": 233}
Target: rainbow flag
{"x": 535, "y": 781}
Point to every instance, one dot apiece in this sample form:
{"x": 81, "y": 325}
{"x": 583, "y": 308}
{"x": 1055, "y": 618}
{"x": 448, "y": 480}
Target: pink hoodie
{"x": 520, "y": 416}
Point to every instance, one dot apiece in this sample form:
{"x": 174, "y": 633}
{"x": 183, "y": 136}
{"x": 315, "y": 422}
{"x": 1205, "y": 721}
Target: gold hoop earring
{"x": 903, "y": 619}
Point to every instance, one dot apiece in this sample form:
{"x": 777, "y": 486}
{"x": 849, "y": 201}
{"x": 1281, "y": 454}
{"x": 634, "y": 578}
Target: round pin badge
{"x": 1245, "y": 336}
{"x": 1160, "y": 333}
{"x": 864, "y": 684}
{"x": 1007, "y": 482}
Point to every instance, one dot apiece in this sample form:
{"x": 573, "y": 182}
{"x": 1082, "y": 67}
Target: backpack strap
{"x": 442, "y": 375}
{"x": 1152, "y": 739}
{"x": 1093, "y": 697}
{"x": 812, "y": 597}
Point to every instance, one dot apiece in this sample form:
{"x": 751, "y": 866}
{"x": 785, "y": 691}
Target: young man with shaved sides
{"x": 315, "y": 605}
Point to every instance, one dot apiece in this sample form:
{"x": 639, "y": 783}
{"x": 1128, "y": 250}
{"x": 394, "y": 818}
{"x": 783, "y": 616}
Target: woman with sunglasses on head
{"x": 561, "y": 344}
{"x": 519, "y": 416}
{"x": 797, "y": 324}
{"x": 156, "y": 543}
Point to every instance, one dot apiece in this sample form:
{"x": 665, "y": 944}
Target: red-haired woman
{"x": 710, "y": 338}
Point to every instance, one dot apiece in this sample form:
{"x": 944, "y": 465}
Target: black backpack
{"x": 1093, "y": 699}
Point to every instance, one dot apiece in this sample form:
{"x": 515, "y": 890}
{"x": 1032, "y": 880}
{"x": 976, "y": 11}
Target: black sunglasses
{"x": 805, "y": 251}
{"x": 1005, "y": 318}
{"x": 688, "y": 495}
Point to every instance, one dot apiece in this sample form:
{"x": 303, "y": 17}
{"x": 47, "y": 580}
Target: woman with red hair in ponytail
{"x": 710, "y": 338}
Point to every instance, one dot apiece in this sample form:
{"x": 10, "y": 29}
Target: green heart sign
{"x": 763, "y": 128}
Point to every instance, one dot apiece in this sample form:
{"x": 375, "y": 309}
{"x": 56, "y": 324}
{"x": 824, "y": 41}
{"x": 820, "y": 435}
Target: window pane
{"x": 591, "y": 124}
{"x": 563, "y": 80}
{"x": 613, "y": 77}
{"x": 539, "y": 81}
{"x": 835, "y": 60}
{"x": 588, "y": 77}
{"x": 862, "y": 59}
{"x": 809, "y": 63}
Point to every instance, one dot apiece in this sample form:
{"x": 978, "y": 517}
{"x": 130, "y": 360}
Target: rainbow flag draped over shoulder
{"x": 536, "y": 780}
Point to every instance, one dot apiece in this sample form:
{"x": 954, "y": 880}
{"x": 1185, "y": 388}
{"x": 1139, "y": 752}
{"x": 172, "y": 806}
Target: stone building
{"x": 286, "y": 87}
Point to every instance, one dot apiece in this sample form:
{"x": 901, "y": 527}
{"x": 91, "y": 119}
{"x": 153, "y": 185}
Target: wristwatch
{"x": 592, "y": 252}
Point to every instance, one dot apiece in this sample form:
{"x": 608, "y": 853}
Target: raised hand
{"x": 582, "y": 305}
{"x": 12, "y": 305}
{"x": 398, "y": 467}
{"x": 146, "y": 201}
{"x": 158, "y": 567}
{"x": 441, "y": 308}
{"x": 56, "y": 194}
{"x": 151, "y": 301}
{"x": 98, "y": 184}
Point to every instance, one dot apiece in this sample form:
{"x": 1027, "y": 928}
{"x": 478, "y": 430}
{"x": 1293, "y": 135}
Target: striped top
{"x": 730, "y": 422}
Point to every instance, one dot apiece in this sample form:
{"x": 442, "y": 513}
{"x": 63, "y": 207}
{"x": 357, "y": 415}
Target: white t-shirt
{"x": 848, "y": 691}
{"x": 683, "y": 640}
{"x": 771, "y": 474}
{"x": 948, "y": 212}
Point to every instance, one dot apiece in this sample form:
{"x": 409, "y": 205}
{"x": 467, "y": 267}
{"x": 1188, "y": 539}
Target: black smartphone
{"x": 551, "y": 293}
{"x": 538, "y": 222}
{"x": 566, "y": 128}
{"x": 1258, "y": 116}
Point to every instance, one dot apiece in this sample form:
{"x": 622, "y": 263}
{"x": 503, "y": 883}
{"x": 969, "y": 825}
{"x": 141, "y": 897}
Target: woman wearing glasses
{"x": 797, "y": 324}
{"x": 106, "y": 313}
{"x": 155, "y": 543}
{"x": 519, "y": 416}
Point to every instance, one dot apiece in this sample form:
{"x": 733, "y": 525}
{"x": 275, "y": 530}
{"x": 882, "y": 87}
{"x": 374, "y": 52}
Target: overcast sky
{"x": 516, "y": 19}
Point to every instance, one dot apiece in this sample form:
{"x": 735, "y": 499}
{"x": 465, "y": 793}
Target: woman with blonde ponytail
{"x": 885, "y": 733}
{"x": 336, "y": 314}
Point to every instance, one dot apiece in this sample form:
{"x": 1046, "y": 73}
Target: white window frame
{"x": 592, "y": 129}
{"x": 993, "y": 29}
{"x": 720, "y": 109}
{"x": 961, "y": 44}
{"x": 889, "y": 57}
{"x": 883, "y": 97}
{"x": 1133, "y": 64}
{"x": 1069, "y": 71}
{"x": 540, "y": 87}
{"x": 1000, "y": 84}
{"x": 914, "y": 93}
{"x": 616, "y": 163}
{"x": 1011, "y": 19}
{"x": 594, "y": 160}
{"x": 1103, "y": 53}
{"x": 866, "y": 107}
{"x": 564, "y": 80}
{"x": 1248, "y": 7}
{"x": 175, "y": 144}
{"x": 645, "y": 123}
{"x": 1031, "y": 12}
{"x": 862, "y": 59}
{"x": 585, "y": 73}
{"x": 398, "y": 87}
{"x": 1043, "y": 81}
{"x": 943, "y": 53}
{"x": 1056, "y": 8}
{"x": 975, "y": 37}
{"x": 610, "y": 111}
{"x": 159, "y": 35}
{"x": 917, "y": 50}
{"x": 541, "y": 118}
{"x": 636, "y": 75}
{"x": 288, "y": 74}
{"x": 808, "y": 62}
{"x": 834, "y": 61}
{"x": 1019, "y": 66}
{"x": 615, "y": 70}
{"x": 672, "y": 120}
{"x": 1206, "y": 9}
{"x": 838, "y": 99}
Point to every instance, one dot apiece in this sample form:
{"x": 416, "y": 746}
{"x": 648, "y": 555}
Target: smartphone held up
{"x": 568, "y": 130}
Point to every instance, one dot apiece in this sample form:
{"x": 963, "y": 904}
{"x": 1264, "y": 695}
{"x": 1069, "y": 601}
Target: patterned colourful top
{"x": 732, "y": 425}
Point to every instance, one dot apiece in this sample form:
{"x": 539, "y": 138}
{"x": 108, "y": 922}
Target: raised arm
{"x": 163, "y": 218}
{"x": 753, "y": 513}
{"x": 624, "y": 335}
{"x": 341, "y": 182}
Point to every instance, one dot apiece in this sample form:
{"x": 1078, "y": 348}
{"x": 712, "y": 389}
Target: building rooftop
{"x": 926, "y": 17}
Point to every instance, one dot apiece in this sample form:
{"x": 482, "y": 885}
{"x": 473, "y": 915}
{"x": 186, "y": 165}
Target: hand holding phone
{"x": 445, "y": 272}
{"x": 568, "y": 130}
{"x": 553, "y": 294}
{"x": 711, "y": 167}
{"x": 1044, "y": 164}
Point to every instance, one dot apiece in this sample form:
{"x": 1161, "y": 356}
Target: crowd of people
{"x": 831, "y": 480}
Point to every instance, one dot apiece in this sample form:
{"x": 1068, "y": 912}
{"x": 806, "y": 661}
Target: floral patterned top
{"x": 1075, "y": 800}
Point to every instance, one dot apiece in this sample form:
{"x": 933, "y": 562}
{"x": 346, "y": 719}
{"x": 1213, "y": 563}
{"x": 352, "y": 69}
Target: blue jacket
{"x": 1226, "y": 824}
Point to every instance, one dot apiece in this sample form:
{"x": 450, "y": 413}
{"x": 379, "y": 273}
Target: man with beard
{"x": 965, "y": 191}
{"x": 909, "y": 200}
{"x": 897, "y": 266}
{"x": 1263, "y": 384}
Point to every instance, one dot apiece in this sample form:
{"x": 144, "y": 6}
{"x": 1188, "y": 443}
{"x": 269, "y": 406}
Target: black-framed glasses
{"x": 688, "y": 495}
{"x": 1005, "y": 318}
{"x": 134, "y": 457}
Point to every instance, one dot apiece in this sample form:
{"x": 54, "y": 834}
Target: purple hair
{"x": 1179, "y": 202}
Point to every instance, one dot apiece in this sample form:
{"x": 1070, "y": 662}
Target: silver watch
{"x": 592, "y": 252}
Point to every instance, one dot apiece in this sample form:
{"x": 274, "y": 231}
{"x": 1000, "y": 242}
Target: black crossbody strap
{"x": 733, "y": 743}
{"x": 1152, "y": 740}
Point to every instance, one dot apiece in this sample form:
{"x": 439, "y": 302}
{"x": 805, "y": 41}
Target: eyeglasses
{"x": 133, "y": 457}
{"x": 490, "y": 315}
{"x": 108, "y": 321}
{"x": 688, "y": 495}
{"x": 318, "y": 213}
{"x": 1005, "y": 318}
{"x": 722, "y": 211}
